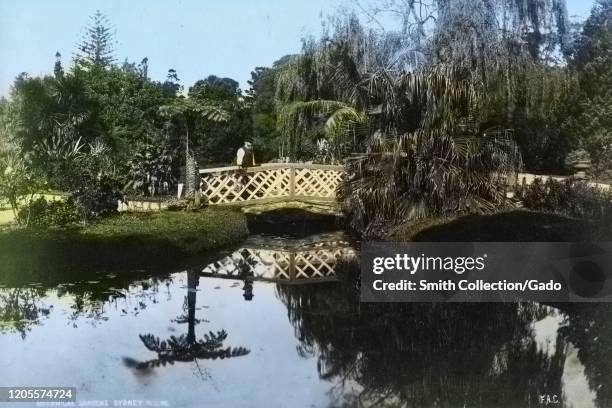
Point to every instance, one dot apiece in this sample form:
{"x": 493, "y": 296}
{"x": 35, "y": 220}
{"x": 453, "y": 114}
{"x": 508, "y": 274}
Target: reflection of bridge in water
{"x": 303, "y": 261}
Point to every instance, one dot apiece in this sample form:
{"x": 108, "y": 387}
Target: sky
{"x": 195, "y": 37}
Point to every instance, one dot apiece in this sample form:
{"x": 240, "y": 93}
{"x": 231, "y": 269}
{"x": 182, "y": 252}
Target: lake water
{"x": 278, "y": 323}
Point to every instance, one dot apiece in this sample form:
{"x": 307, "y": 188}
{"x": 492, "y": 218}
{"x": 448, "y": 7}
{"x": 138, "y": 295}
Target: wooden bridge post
{"x": 291, "y": 266}
{"x": 292, "y": 182}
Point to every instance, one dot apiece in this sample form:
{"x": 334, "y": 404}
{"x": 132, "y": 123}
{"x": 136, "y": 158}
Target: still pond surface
{"x": 278, "y": 323}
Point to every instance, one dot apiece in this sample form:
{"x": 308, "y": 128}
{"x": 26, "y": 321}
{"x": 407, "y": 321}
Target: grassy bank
{"x": 155, "y": 241}
{"x": 515, "y": 226}
{"x": 186, "y": 232}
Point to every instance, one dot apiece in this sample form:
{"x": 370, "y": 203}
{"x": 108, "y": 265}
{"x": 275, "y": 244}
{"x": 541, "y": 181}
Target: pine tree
{"x": 97, "y": 46}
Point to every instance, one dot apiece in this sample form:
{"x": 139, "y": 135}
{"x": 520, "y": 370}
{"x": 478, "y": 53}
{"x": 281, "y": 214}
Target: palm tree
{"x": 187, "y": 110}
{"x": 427, "y": 173}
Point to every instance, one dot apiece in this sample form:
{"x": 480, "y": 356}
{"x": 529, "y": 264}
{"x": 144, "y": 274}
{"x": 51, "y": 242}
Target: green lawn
{"x": 6, "y": 217}
{"x": 160, "y": 241}
{"x": 188, "y": 232}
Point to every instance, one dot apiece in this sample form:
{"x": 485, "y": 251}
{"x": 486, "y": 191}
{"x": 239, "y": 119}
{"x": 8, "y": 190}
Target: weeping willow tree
{"x": 417, "y": 130}
{"x": 516, "y": 53}
{"x": 540, "y": 25}
{"x": 431, "y": 112}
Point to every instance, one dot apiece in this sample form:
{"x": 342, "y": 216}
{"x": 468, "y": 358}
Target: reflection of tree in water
{"x": 182, "y": 349}
{"x": 92, "y": 299}
{"x": 589, "y": 328}
{"x": 186, "y": 348}
{"x": 446, "y": 355}
{"x": 90, "y": 293}
{"x": 20, "y": 309}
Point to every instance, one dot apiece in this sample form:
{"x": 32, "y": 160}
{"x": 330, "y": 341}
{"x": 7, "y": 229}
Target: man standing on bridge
{"x": 244, "y": 158}
{"x": 242, "y": 155}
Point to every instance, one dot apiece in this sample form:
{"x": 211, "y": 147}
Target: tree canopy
{"x": 445, "y": 104}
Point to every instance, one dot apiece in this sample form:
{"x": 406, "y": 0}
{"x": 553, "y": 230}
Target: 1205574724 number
{"x": 14, "y": 394}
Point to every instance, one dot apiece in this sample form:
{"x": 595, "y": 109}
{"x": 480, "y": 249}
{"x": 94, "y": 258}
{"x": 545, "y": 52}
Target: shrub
{"x": 18, "y": 183}
{"x": 32, "y": 213}
{"x": 572, "y": 198}
{"x": 151, "y": 170}
{"x": 62, "y": 212}
{"x": 96, "y": 196}
{"x": 92, "y": 180}
{"x": 41, "y": 213}
{"x": 185, "y": 204}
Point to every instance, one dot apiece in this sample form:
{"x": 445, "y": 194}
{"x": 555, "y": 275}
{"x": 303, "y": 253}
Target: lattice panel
{"x": 279, "y": 265}
{"x": 222, "y": 186}
{"x": 258, "y": 263}
{"x": 317, "y": 183}
{"x": 319, "y": 264}
{"x": 276, "y": 261}
{"x": 231, "y": 187}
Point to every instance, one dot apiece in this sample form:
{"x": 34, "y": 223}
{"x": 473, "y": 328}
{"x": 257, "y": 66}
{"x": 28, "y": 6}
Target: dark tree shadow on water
{"x": 186, "y": 347}
{"x": 435, "y": 354}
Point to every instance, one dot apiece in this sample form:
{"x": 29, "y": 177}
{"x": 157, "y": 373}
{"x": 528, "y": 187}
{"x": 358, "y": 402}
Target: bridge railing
{"x": 271, "y": 182}
{"x": 298, "y": 181}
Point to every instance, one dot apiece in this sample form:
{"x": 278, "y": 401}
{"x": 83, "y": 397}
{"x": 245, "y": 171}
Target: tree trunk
{"x": 192, "y": 284}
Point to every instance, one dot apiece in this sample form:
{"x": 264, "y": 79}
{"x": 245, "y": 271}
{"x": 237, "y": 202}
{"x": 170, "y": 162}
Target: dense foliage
{"x": 573, "y": 198}
{"x": 435, "y": 107}
{"x": 443, "y": 100}
{"x": 99, "y": 130}
{"x": 591, "y": 116}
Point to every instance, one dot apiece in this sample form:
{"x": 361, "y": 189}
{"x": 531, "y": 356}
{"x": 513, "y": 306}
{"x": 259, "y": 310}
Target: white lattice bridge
{"x": 272, "y": 182}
